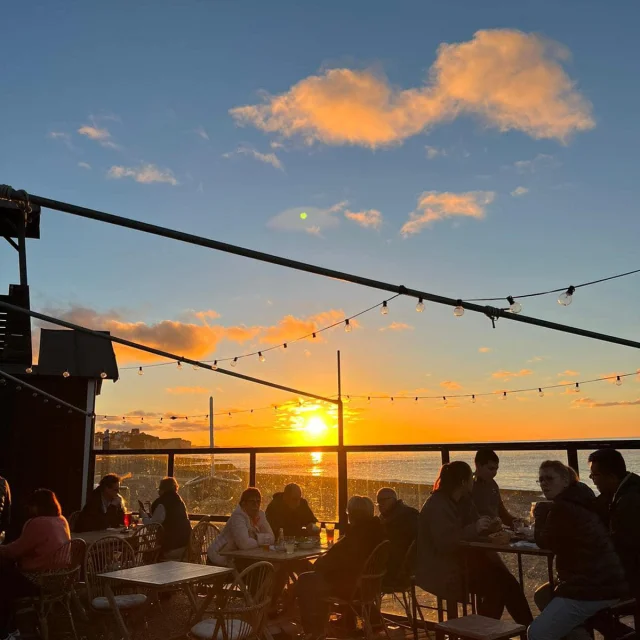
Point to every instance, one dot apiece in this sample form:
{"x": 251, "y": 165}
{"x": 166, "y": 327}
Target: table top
{"x": 166, "y": 574}
{"x": 92, "y": 536}
{"x": 508, "y": 548}
{"x": 275, "y": 556}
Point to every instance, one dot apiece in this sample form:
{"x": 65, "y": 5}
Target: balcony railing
{"x": 212, "y": 479}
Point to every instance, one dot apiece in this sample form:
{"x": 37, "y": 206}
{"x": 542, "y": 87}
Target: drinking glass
{"x": 330, "y": 532}
{"x": 127, "y": 520}
{"x": 289, "y": 544}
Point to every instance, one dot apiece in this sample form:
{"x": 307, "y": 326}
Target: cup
{"x": 330, "y": 528}
{"x": 127, "y": 520}
{"x": 289, "y": 545}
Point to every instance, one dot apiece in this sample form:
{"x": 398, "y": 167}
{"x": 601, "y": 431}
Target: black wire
{"x": 545, "y": 293}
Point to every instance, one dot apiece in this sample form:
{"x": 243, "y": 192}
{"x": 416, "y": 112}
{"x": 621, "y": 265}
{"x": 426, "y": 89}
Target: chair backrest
{"x": 73, "y": 520}
{"x": 147, "y": 543}
{"x": 202, "y": 535}
{"x": 370, "y": 582}
{"x": 63, "y": 569}
{"x": 105, "y": 555}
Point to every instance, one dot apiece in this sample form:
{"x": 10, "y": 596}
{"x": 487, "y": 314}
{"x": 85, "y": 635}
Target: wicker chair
{"x": 73, "y": 520}
{"x": 147, "y": 543}
{"x": 105, "y": 555}
{"x": 240, "y": 612}
{"x": 56, "y": 585}
{"x": 202, "y": 535}
{"x": 366, "y": 597}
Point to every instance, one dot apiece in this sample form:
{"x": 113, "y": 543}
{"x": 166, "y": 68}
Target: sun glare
{"x": 315, "y": 426}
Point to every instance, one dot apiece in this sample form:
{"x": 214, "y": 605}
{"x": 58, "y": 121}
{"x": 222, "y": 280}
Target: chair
{"x": 402, "y": 589}
{"x": 475, "y": 627}
{"x": 57, "y": 585}
{"x": 202, "y": 535}
{"x": 105, "y": 555}
{"x": 366, "y": 597}
{"x": 241, "y": 611}
{"x": 73, "y": 520}
{"x": 608, "y": 622}
{"x": 147, "y": 543}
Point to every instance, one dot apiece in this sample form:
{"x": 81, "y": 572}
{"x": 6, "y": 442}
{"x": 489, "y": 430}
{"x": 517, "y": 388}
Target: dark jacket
{"x": 93, "y": 516}
{"x": 442, "y": 525}
{"x": 280, "y": 516}
{"x": 587, "y": 564}
{"x": 622, "y": 515}
{"x": 176, "y": 529}
{"x": 344, "y": 561}
{"x": 401, "y": 528}
{"x": 486, "y": 496}
{"x": 5, "y": 504}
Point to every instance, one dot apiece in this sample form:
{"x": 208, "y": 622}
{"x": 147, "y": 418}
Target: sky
{"x": 468, "y": 151}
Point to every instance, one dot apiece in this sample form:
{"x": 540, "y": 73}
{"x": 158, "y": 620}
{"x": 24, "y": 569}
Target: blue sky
{"x": 129, "y": 109}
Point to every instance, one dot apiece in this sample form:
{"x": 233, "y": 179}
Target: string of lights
{"x": 346, "y": 323}
{"x": 616, "y": 379}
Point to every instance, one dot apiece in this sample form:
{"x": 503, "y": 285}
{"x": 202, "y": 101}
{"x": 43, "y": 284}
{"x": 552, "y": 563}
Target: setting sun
{"x": 315, "y": 426}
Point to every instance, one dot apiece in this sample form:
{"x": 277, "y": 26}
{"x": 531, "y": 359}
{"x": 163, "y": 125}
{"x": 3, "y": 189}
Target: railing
{"x": 212, "y": 479}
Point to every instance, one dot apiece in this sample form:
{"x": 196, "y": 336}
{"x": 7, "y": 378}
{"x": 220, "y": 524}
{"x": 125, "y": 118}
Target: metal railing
{"x": 570, "y": 447}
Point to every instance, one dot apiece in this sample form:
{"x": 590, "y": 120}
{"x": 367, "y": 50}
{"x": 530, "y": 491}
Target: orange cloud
{"x": 506, "y": 375}
{"x": 450, "y": 385}
{"x": 290, "y": 327}
{"x": 435, "y": 205}
{"x": 484, "y": 349}
{"x": 187, "y": 390}
{"x": 370, "y": 218}
{"x": 397, "y": 326}
{"x": 589, "y": 403}
{"x": 569, "y": 373}
{"x": 507, "y": 78}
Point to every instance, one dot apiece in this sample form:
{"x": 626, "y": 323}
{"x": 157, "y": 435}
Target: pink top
{"x": 41, "y": 537}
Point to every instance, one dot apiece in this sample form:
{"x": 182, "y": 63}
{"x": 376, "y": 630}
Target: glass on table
{"x": 127, "y": 520}
{"x": 330, "y": 528}
{"x": 289, "y": 544}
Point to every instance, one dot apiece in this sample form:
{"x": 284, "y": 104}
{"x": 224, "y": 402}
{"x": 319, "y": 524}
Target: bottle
{"x": 281, "y": 538}
{"x": 323, "y": 535}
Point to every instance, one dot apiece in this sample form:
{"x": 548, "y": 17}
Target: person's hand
{"x": 495, "y": 525}
{"x": 482, "y": 524}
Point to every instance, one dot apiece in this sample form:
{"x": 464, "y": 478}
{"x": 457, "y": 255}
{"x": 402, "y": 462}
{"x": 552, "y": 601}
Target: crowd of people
{"x": 595, "y": 541}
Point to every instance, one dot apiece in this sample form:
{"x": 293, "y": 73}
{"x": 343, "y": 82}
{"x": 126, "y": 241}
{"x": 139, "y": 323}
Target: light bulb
{"x": 384, "y": 310}
{"x": 215, "y": 365}
{"x": 65, "y": 374}
{"x": 35, "y": 395}
{"x": 504, "y": 395}
{"x": 618, "y": 381}
{"x": 261, "y": 357}
{"x": 234, "y": 362}
{"x": 314, "y": 335}
{"x": 577, "y": 389}
{"x": 103, "y": 375}
{"x": 179, "y": 364}
{"x": 28, "y": 370}
{"x": 416, "y": 398}
{"x": 458, "y": 312}
{"x": 420, "y": 306}
{"x": 369, "y": 399}
{"x": 540, "y": 392}
{"x": 284, "y": 345}
{"x": 473, "y": 399}
{"x": 444, "y": 398}
{"x": 514, "y": 305}
{"x": 391, "y": 398}
{"x": 18, "y": 388}
{"x": 566, "y": 298}
{"x": 347, "y": 326}
{"x": 140, "y": 371}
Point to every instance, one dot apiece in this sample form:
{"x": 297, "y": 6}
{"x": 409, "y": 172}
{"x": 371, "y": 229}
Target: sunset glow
{"x": 316, "y": 427}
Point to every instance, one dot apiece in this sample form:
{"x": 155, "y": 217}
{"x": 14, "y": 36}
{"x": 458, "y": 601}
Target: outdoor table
{"x": 259, "y": 554}
{"x": 519, "y": 551}
{"x": 164, "y": 575}
{"x": 93, "y": 536}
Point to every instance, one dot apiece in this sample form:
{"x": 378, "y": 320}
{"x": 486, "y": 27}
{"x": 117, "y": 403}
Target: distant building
{"x": 136, "y": 439}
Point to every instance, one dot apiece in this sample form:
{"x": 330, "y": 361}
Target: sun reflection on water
{"x": 316, "y": 463}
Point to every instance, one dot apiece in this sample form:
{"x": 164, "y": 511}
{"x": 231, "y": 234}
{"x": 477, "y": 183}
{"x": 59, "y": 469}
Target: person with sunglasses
{"x": 590, "y": 575}
{"x": 247, "y": 528}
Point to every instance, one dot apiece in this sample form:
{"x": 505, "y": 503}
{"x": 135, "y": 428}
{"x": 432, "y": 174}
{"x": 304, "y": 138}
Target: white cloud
{"x": 99, "y": 134}
{"x": 63, "y": 137}
{"x": 519, "y": 191}
{"x": 145, "y": 174}
{"x": 267, "y": 158}
{"x": 541, "y": 161}
{"x": 437, "y": 205}
{"x": 370, "y": 218}
{"x": 84, "y": 165}
{"x": 434, "y": 152}
{"x": 201, "y": 131}
{"x": 315, "y": 222}
{"x": 509, "y": 79}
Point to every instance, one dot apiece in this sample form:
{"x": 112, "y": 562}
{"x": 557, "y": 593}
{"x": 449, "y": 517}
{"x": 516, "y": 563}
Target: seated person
{"x": 486, "y": 493}
{"x": 619, "y": 505}
{"x": 247, "y": 528}
{"x": 448, "y": 518}
{"x": 104, "y": 508}
{"x": 5, "y": 506}
{"x": 336, "y": 572}
{"x": 170, "y": 511}
{"x": 400, "y": 524}
{"x": 43, "y": 534}
{"x": 289, "y": 511}
{"x": 590, "y": 575}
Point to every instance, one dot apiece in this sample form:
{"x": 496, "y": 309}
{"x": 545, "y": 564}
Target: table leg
{"x": 520, "y": 572}
{"x": 550, "y": 568}
{"x": 116, "y": 612}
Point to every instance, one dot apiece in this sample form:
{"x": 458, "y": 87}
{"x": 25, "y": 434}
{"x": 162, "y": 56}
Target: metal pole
{"x": 20, "y": 196}
{"x": 22, "y": 253}
{"x": 158, "y": 352}
{"x": 343, "y": 480}
{"x": 213, "y": 466}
